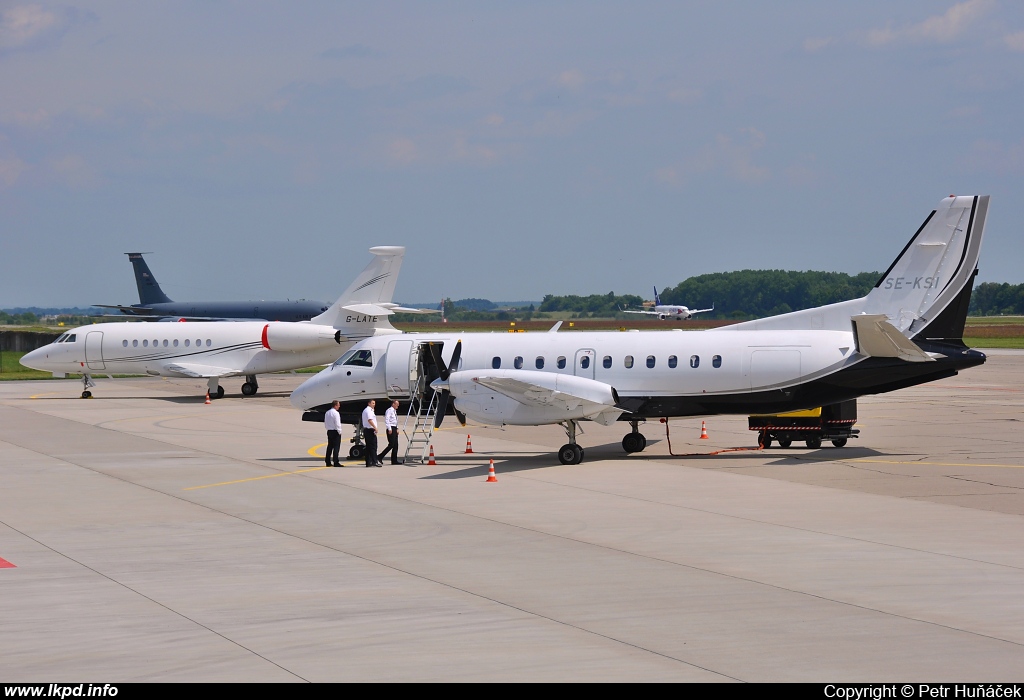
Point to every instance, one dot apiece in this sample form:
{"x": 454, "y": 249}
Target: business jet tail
{"x": 925, "y": 292}
{"x": 366, "y": 304}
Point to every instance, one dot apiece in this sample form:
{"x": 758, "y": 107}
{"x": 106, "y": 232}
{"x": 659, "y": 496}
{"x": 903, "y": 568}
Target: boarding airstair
{"x": 419, "y": 421}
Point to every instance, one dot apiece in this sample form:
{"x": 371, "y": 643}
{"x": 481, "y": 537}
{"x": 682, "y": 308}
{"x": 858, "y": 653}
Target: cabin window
{"x": 585, "y": 362}
{"x": 496, "y": 363}
{"x": 628, "y": 361}
{"x": 561, "y": 362}
{"x": 607, "y": 362}
{"x": 716, "y": 361}
{"x": 175, "y": 343}
{"x": 694, "y": 361}
{"x": 208, "y": 341}
{"x": 360, "y": 358}
{"x": 673, "y": 361}
{"x": 650, "y": 362}
{"x": 145, "y": 343}
{"x": 165, "y": 343}
{"x": 187, "y": 342}
{"x": 124, "y": 343}
{"x": 156, "y": 343}
{"x": 198, "y": 342}
{"x": 540, "y": 362}
{"x": 518, "y": 362}
{"x": 135, "y": 343}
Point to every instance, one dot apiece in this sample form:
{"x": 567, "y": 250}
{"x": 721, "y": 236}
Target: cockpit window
{"x": 61, "y": 337}
{"x": 360, "y": 358}
{"x": 70, "y": 339}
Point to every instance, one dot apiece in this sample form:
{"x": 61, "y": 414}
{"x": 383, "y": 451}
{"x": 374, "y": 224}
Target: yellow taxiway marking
{"x": 312, "y": 450}
{"x": 940, "y": 464}
{"x": 49, "y": 393}
{"x": 256, "y": 478}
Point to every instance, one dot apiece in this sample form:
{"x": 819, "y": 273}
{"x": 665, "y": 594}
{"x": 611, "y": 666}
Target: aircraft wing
{"x": 650, "y": 313}
{"x": 700, "y": 311}
{"x": 531, "y": 394}
{"x": 120, "y": 307}
{"x": 876, "y": 337}
{"x": 190, "y": 369}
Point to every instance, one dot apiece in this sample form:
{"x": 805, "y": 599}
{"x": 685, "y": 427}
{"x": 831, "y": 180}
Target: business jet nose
{"x": 35, "y": 358}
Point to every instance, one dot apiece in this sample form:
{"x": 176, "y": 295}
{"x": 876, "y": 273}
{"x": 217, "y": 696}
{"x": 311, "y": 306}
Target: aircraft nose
{"x": 33, "y": 358}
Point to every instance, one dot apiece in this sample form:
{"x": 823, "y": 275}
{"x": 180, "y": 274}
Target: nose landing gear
{"x": 87, "y": 383}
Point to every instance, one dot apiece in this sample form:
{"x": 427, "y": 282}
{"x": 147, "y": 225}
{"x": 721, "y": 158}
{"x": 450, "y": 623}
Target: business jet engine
{"x": 298, "y": 337}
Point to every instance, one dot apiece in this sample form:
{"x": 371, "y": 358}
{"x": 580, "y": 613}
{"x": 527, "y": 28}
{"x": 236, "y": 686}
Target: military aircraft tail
{"x": 149, "y": 288}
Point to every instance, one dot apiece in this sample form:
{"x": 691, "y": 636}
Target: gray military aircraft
{"x": 155, "y": 305}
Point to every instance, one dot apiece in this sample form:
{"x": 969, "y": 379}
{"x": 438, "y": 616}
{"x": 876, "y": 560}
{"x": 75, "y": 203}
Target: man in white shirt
{"x": 391, "y": 428}
{"x": 332, "y": 421}
{"x": 370, "y": 434}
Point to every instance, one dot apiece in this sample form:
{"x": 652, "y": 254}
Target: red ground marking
{"x": 4, "y": 564}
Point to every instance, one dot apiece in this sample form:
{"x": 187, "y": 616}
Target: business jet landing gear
{"x": 251, "y": 386}
{"x": 87, "y": 383}
{"x": 634, "y": 441}
{"x": 215, "y": 389}
{"x": 570, "y": 453}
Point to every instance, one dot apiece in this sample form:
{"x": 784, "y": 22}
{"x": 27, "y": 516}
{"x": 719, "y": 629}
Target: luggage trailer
{"x": 833, "y": 422}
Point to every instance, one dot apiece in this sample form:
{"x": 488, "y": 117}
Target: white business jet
{"x": 668, "y": 311}
{"x": 908, "y": 330}
{"x": 217, "y": 349}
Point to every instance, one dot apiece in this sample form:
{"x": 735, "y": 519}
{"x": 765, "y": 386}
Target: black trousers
{"x": 370, "y": 436}
{"x": 333, "y": 447}
{"x": 392, "y": 446}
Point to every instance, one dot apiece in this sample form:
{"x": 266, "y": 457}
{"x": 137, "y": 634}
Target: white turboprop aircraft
{"x": 908, "y": 330}
{"x": 669, "y": 311}
{"x": 217, "y": 349}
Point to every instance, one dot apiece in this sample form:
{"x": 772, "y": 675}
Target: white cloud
{"x": 494, "y": 120}
{"x": 939, "y": 28}
{"x": 726, "y": 155}
{"x": 572, "y": 79}
{"x": 10, "y": 171}
{"x": 21, "y": 25}
{"x": 997, "y": 157}
{"x": 817, "y": 44}
{"x": 1014, "y": 42}
{"x": 76, "y": 173}
{"x": 403, "y": 151}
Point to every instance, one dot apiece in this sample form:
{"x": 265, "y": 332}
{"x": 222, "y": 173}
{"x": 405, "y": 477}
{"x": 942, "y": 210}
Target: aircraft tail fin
{"x": 149, "y": 288}
{"x": 927, "y": 289}
{"x": 374, "y": 287}
{"x": 657, "y": 299}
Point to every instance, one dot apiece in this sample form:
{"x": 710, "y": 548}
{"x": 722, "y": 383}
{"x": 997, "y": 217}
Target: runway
{"x": 152, "y": 537}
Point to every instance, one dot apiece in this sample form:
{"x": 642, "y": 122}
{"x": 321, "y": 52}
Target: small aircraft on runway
{"x": 154, "y": 305}
{"x": 668, "y": 311}
{"x": 217, "y": 349}
{"x": 908, "y": 330}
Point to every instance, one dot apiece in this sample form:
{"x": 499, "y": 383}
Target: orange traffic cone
{"x": 431, "y": 462}
{"x": 703, "y": 432}
{"x": 207, "y": 402}
{"x": 469, "y": 446}
{"x": 490, "y": 473}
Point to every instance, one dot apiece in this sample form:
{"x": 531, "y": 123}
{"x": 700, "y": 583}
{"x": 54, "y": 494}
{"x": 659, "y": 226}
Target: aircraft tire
{"x": 570, "y": 454}
{"x": 87, "y": 394}
{"x": 357, "y": 452}
{"x": 634, "y": 442}
{"x": 220, "y": 393}
{"x": 813, "y": 443}
{"x": 248, "y": 389}
{"x": 785, "y": 442}
{"x": 839, "y": 442}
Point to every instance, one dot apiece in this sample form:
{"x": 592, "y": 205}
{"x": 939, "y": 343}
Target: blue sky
{"x": 516, "y": 149}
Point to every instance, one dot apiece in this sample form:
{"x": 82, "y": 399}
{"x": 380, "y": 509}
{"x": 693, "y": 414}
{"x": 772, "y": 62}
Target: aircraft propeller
{"x": 444, "y": 372}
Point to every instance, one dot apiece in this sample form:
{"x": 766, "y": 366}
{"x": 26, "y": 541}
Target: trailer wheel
{"x": 785, "y": 442}
{"x": 764, "y": 439}
{"x": 813, "y": 443}
{"x": 839, "y": 442}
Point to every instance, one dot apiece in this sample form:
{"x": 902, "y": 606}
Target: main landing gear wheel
{"x": 86, "y": 394}
{"x": 220, "y": 393}
{"x": 813, "y": 443}
{"x": 249, "y": 389}
{"x": 634, "y": 442}
{"x": 357, "y": 452}
{"x": 785, "y": 442}
{"x": 839, "y": 442}
{"x": 764, "y": 440}
{"x": 570, "y": 454}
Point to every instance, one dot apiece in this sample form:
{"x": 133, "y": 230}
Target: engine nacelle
{"x": 296, "y": 337}
{"x": 558, "y": 397}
